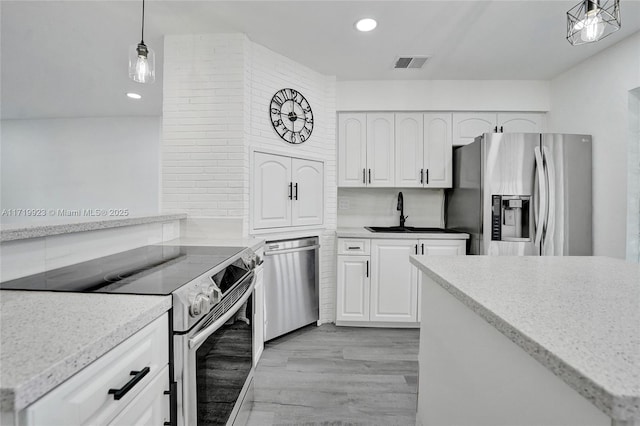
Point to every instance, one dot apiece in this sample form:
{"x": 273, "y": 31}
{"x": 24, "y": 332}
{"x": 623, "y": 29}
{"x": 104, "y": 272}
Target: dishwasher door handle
{"x": 291, "y": 250}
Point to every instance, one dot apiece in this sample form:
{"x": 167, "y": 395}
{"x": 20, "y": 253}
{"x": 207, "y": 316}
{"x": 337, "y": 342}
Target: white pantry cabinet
{"x": 366, "y": 150}
{"x": 469, "y": 125}
{"x": 89, "y": 397}
{"x": 378, "y": 285}
{"x": 286, "y": 191}
{"x": 423, "y": 150}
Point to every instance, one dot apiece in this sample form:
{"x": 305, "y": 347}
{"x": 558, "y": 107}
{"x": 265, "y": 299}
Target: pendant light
{"x": 592, "y": 20}
{"x": 142, "y": 60}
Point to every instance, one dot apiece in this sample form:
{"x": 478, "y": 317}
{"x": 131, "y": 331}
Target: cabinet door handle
{"x": 296, "y": 196}
{"x": 369, "y": 175}
{"x": 367, "y": 269}
{"x": 495, "y": 129}
{"x": 416, "y": 249}
{"x": 422, "y": 248}
{"x": 421, "y": 175}
{"x": 137, "y": 376}
{"x": 501, "y": 129}
{"x": 291, "y": 190}
{"x": 427, "y": 173}
{"x": 364, "y": 175}
{"x": 354, "y": 247}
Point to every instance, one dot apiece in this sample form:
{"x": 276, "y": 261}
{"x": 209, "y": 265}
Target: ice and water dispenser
{"x": 510, "y": 218}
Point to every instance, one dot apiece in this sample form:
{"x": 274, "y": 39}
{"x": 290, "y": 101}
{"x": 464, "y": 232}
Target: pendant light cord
{"x": 142, "y": 37}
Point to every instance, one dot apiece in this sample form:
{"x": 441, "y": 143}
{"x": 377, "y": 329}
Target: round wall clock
{"x": 291, "y": 116}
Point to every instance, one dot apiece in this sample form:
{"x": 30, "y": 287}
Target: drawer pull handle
{"x": 354, "y": 248}
{"x": 137, "y": 376}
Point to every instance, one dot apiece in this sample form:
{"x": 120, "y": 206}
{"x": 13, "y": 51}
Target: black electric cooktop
{"x": 153, "y": 270}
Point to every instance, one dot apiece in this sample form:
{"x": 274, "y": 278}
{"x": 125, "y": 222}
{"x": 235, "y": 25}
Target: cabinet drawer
{"x": 150, "y": 407}
{"x": 356, "y": 246}
{"x": 85, "y": 398}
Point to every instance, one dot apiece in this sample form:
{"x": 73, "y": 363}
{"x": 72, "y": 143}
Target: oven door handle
{"x": 204, "y": 334}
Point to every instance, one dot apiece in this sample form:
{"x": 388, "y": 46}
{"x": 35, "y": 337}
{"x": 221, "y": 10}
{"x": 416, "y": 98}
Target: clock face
{"x": 291, "y": 116}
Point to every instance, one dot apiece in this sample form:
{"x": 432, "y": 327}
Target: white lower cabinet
{"x": 139, "y": 364}
{"x": 393, "y": 281}
{"x": 352, "y": 301}
{"x": 377, "y": 284}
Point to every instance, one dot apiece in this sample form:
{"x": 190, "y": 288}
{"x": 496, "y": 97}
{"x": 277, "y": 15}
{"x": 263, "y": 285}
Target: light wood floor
{"x": 337, "y": 376}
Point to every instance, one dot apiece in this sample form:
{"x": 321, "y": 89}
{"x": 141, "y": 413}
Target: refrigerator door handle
{"x": 550, "y": 222}
{"x": 542, "y": 189}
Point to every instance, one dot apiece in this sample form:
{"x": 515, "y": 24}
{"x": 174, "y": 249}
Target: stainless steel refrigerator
{"x": 523, "y": 194}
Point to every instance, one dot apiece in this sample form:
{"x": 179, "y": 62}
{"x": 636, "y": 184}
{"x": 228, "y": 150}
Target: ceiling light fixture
{"x": 142, "y": 60}
{"x": 592, "y": 20}
{"x": 366, "y": 24}
{"x": 134, "y": 95}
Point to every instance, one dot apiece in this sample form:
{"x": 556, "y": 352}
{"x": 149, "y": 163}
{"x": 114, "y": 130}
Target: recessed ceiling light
{"x": 134, "y": 95}
{"x": 366, "y": 24}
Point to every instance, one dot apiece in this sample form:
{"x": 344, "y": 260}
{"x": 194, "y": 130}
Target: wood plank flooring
{"x": 338, "y": 376}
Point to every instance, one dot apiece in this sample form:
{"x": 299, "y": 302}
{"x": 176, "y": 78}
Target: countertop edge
{"x": 16, "y": 399}
{"x": 363, "y": 233}
{"x": 44, "y": 230}
{"x": 619, "y": 407}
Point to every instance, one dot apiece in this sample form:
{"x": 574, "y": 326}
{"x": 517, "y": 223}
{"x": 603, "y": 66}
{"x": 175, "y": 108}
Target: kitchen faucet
{"x": 401, "y": 209}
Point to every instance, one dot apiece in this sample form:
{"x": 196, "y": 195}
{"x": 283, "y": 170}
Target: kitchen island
{"x": 529, "y": 341}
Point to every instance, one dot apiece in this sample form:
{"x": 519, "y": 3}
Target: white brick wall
{"x": 217, "y": 90}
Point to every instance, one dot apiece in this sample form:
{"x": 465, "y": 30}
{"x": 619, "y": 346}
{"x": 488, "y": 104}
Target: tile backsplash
{"x": 358, "y": 207}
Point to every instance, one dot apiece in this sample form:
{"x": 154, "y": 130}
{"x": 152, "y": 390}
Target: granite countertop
{"x": 20, "y": 231}
{"x": 365, "y": 233}
{"x": 578, "y": 316}
{"x": 47, "y": 337}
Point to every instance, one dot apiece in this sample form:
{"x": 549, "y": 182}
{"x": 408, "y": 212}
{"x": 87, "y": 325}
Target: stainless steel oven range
{"x": 211, "y": 367}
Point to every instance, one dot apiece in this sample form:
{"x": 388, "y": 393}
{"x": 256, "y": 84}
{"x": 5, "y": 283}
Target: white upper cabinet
{"x": 308, "y": 192}
{"x": 438, "y": 164}
{"x": 469, "y": 125}
{"x": 516, "y": 122}
{"x": 272, "y": 191}
{"x": 380, "y": 150}
{"x": 423, "y": 150}
{"x": 286, "y": 191}
{"x": 409, "y": 150}
{"x": 352, "y": 149}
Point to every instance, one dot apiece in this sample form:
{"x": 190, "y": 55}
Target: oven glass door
{"x": 223, "y": 364}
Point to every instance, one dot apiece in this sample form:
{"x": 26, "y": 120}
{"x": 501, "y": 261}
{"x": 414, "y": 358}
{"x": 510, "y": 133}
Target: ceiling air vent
{"x": 410, "y": 62}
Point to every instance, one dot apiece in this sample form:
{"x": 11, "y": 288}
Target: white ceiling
{"x": 69, "y": 58}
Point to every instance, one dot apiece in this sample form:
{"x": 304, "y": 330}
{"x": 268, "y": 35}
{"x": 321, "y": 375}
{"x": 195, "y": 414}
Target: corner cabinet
{"x": 286, "y": 191}
{"x": 376, "y": 283}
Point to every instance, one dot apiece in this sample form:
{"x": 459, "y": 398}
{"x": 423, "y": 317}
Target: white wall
{"x": 593, "y": 98}
{"x": 443, "y": 95}
{"x": 217, "y": 89}
{"x": 358, "y": 207}
{"x": 80, "y": 163}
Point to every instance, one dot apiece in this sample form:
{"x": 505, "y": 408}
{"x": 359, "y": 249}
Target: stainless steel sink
{"x": 409, "y": 229}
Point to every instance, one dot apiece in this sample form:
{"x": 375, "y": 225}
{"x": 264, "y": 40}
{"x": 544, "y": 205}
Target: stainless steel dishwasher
{"x": 291, "y": 285}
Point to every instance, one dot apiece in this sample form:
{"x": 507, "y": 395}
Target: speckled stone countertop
{"x": 578, "y": 316}
{"x": 11, "y": 232}
{"x": 365, "y": 233}
{"x": 47, "y": 337}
